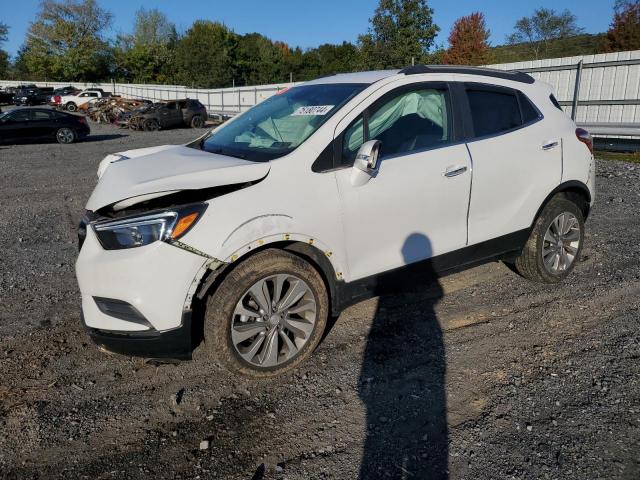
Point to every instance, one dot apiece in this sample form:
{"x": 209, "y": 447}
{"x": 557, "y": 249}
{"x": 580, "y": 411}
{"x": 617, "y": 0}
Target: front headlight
{"x": 140, "y": 230}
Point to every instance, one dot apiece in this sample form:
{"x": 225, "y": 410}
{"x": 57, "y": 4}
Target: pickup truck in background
{"x": 32, "y": 96}
{"x": 72, "y": 102}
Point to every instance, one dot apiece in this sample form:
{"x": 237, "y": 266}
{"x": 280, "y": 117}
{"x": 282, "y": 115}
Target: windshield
{"x": 281, "y": 123}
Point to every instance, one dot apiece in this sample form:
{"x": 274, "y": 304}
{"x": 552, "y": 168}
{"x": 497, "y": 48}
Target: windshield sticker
{"x": 313, "y": 110}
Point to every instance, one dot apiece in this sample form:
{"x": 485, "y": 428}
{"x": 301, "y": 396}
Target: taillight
{"x": 56, "y": 99}
{"x": 82, "y": 119}
{"x": 585, "y": 137}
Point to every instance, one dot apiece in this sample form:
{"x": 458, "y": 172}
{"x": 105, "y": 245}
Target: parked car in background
{"x": 27, "y": 124}
{"x": 73, "y": 101}
{"x": 6, "y": 97}
{"x": 174, "y": 113}
{"x": 331, "y": 192}
{"x": 64, "y": 91}
{"x": 32, "y": 96}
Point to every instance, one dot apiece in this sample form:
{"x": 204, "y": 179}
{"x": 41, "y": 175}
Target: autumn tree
{"x": 65, "y": 42}
{"x": 543, "y": 26}
{"x": 624, "y": 33}
{"x": 469, "y": 41}
{"x": 400, "y": 30}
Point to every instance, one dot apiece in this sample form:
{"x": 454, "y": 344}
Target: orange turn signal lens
{"x": 183, "y": 225}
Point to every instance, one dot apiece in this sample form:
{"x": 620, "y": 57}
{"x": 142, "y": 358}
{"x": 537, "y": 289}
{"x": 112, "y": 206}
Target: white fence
{"x": 602, "y": 92}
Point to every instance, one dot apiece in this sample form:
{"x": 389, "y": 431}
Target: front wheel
{"x": 267, "y": 316}
{"x": 555, "y": 242}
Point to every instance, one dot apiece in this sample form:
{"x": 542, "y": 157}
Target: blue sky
{"x": 308, "y": 23}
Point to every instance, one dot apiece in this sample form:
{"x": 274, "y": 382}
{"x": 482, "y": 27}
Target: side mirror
{"x": 365, "y": 166}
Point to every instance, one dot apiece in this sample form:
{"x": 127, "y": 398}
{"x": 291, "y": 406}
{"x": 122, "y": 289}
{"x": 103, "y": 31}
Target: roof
{"x": 374, "y": 76}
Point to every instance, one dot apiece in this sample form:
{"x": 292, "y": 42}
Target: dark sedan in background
{"x": 27, "y": 124}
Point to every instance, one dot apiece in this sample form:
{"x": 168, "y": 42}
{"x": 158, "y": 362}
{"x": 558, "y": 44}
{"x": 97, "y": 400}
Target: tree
{"x": 147, "y": 54}
{"x": 542, "y": 27}
{"x": 624, "y": 33}
{"x": 400, "y": 31}
{"x": 205, "y": 56}
{"x": 469, "y": 41}
{"x": 4, "y": 56}
{"x": 65, "y": 42}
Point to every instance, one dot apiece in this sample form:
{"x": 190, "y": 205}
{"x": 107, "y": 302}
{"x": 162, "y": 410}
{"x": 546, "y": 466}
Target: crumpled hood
{"x": 150, "y": 172}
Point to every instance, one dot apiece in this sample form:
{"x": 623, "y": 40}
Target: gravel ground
{"x": 481, "y": 376}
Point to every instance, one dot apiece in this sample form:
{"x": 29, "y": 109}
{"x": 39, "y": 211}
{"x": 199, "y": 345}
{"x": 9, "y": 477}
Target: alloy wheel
{"x": 561, "y": 243}
{"x": 273, "y": 320}
{"x": 65, "y": 135}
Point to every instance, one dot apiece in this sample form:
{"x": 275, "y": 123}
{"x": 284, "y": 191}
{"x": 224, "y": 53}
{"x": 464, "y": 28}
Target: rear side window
{"x": 555, "y": 102}
{"x": 41, "y": 115}
{"x": 493, "y": 111}
{"x": 529, "y": 112}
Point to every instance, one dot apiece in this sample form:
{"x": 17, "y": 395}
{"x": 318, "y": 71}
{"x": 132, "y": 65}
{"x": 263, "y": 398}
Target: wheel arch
{"x": 317, "y": 258}
{"x": 573, "y": 190}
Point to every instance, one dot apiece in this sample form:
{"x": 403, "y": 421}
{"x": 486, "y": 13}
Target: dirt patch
{"x": 483, "y": 376}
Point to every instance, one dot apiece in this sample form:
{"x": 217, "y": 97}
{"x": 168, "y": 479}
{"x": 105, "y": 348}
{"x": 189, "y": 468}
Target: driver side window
{"x": 407, "y": 122}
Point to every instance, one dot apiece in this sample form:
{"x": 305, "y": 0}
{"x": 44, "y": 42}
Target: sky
{"x": 308, "y": 23}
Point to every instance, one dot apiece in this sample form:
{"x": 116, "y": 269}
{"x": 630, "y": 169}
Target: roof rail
{"x": 485, "y": 72}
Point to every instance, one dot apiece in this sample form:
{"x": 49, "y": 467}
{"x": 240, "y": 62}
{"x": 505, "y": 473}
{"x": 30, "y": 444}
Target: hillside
{"x": 585, "y": 44}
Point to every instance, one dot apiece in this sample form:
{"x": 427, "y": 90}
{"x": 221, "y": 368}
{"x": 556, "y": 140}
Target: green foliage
{"x": 146, "y": 56}
{"x": 65, "y": 42}
{"x": 205, "y": 56}
{"x": 543, "y": 26}
{"x": 401, "y": 30}
{"x": 4, "y": 56}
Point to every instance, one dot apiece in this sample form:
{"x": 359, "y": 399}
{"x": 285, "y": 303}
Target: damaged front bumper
{"x": 138, "y": 301}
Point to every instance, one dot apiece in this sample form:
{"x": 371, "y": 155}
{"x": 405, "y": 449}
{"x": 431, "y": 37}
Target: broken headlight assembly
{"x": 139, "y": 230}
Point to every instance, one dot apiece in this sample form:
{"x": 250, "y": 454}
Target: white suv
{"x": 333, "y": 191}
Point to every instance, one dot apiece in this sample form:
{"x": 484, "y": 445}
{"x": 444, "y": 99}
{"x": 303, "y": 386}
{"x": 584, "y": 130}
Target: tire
{"x": 71, "y": 107}
{"x": 222, "y": 322}
{"x": 562, "y": 213}
{"x": 151, "y": 125}
{"x": 197, "y": 121}
{"x": 66, "y": 135}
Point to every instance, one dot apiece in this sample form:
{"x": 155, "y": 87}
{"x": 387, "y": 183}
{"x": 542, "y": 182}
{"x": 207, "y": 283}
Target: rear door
{"x": 517, "y": 160}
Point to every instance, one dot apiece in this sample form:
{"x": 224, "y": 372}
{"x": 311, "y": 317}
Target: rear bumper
{"x": 174, "y": 344}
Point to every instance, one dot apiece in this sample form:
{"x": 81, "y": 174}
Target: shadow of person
{"x": 403, "y": 374}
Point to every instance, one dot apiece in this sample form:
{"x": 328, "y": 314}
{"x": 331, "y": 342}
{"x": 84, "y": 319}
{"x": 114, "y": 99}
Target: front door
{"x": 415, "y": 207}
{"x": 15, "y": 126}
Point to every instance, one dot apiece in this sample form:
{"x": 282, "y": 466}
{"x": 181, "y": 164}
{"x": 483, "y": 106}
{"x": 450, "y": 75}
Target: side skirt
{"x": 414, "y": 275}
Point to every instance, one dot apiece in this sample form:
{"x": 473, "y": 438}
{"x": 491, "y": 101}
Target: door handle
{"x": 549, "y": 145}
{"x": 454, "y": 171}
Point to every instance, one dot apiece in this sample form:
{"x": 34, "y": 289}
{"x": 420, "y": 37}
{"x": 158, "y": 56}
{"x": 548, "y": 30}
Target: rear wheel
{"x": 197, "y": 122}
{"x": 71, "y": 107}
{"x": 267, "y": 316}
{"x": 555, "y": 242}
{"x": 151, "y": 125}
{"x": 65, "y": 135}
